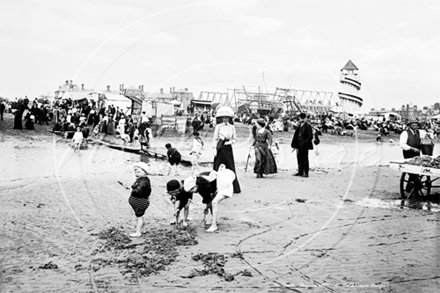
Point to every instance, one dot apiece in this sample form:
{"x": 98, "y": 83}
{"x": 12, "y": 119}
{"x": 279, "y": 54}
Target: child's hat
{"x": 173, "y": 185}
{"x": 142, "y": 165}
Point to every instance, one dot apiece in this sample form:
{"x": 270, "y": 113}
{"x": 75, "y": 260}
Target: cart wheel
{"x": 419, "y": 187}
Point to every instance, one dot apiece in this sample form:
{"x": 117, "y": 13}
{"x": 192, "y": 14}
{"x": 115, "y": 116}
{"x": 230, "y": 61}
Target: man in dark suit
{"x": 2, "y": 109}
{"x": 302, "y": 143}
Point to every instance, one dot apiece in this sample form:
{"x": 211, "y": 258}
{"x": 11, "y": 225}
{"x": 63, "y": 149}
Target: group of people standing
{"x": 31, "y": 114}
{"x": 222, "y": 182}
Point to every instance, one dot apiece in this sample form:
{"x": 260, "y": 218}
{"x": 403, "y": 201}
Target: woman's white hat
{"x": 225, "y": 112}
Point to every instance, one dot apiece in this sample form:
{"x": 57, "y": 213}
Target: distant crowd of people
{"x": 90, "y": 117}
{"x": 340, "y": 126}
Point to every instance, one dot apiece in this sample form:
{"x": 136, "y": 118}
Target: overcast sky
{"x": 220, "y": 45}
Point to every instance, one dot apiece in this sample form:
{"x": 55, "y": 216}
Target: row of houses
{"x": 407, "y": 112}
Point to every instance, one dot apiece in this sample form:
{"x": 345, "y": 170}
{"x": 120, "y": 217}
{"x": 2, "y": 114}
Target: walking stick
{"x": 247, "y": 161}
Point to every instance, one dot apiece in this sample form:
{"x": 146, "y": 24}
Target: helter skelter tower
{"x": 350, "y": 101}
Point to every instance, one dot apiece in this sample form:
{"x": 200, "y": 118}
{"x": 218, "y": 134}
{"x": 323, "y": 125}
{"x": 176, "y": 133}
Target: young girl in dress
{"x": 77, "y": 139}
{"x": 195, "y": 153}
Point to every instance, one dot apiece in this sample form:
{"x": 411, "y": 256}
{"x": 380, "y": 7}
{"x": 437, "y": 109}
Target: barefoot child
{"x": 174, "y": 158}
{"x": 77, "y": 139}
{"x": 181, "y": 197}
{"x": 195, "y": 153}
{"x": 139, "y": 199}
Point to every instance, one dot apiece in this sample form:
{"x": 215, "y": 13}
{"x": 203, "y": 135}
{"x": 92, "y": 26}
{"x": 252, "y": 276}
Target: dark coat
{"x": 303, "y": 137}
{"x": 141, "y": 188}
{"x": 197, "y": 125}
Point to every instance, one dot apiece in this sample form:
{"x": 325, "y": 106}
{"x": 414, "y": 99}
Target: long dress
{"x": 264, "y": 159}
{"x": 104, "y": 125}
{"x": 121, "y": 126}
{"x": 18, "y": 117}
{"x": 110, "y": 126}
{"x": 225, "y": 155}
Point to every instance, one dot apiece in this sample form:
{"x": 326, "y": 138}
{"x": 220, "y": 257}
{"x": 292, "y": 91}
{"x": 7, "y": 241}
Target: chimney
{"x": 108, "y": 88}
{"x": 161, "y": 91}
{"x": 121, "y": 87}
{"x": 141, "y": 87}
{"x": 174, "y": 89}
{"x": 71, "y": 82}
{"x": 186, "y": 89}
{"x": 82, "y": 86}
{"x": 67, "y": 82}
{"x": 171, "y": 90}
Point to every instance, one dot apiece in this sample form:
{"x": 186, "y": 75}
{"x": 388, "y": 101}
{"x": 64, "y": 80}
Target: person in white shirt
{"x": 195, "y": 153}
{"x": 410, "y": 140}
{"x": 121, "y": 125}
{"x": 144, "y": 117}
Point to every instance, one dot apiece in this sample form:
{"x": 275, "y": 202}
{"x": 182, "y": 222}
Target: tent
{"x": 75, "y": 96}
{"x": 147, "y": 107}
{"x": 120, "y": 101}
{"x": 164, "y": 109}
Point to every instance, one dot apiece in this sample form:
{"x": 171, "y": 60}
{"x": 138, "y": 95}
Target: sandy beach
{"x": 340, "y": 230}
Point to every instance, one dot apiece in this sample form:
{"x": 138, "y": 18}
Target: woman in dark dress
{"x": 264, "y": 159}
{"x": 19, "y": 116}
{"x": 110, "y": 125}
{"x": 224, "y": 138}
{"x": 104, "y": 124}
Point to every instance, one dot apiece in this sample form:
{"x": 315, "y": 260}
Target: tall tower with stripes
{"x": 350, "y": 101}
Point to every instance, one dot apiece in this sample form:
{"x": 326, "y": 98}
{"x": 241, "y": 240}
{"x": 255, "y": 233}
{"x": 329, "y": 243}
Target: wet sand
{"x": 337, "y": 231}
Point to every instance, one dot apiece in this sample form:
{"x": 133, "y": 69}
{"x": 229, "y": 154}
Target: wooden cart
{"x": 415, "y": 181}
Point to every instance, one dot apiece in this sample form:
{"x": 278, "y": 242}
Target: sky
{"x": 222, "y": 45}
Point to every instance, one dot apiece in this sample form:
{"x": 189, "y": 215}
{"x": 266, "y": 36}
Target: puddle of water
{"x": 378, "y": 203}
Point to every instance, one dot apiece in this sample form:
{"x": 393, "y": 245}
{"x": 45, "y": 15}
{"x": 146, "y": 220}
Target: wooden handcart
{"x": 416, "y": 181}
